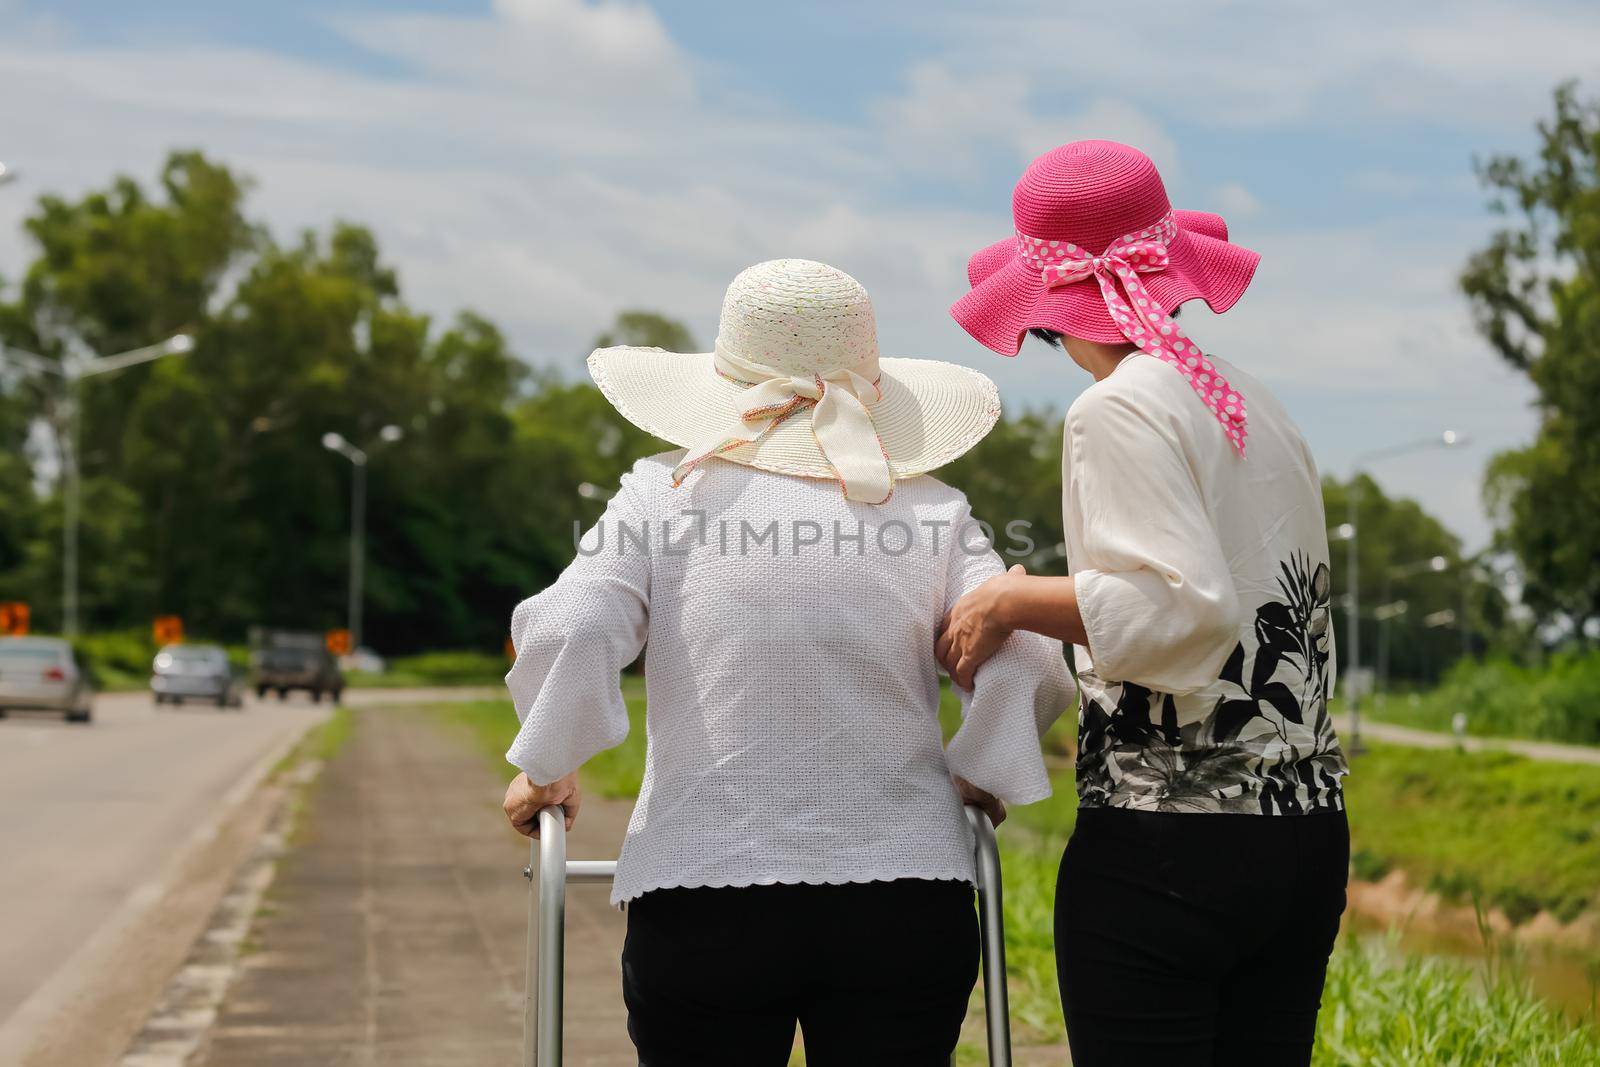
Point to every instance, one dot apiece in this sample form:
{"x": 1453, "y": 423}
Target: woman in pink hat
{"x": 1201, "y": 891}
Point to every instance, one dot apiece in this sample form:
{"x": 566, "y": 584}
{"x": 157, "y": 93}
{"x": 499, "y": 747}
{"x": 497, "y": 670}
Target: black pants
{"x": 1193, "y": 939}
{"x": 875, "y": 973}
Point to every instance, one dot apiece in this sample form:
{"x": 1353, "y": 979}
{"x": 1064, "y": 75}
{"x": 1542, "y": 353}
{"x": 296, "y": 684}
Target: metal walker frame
{"x": 549, "y": 871}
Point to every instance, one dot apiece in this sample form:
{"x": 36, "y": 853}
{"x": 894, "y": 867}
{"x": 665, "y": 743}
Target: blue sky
{"x": 548, "y": 162}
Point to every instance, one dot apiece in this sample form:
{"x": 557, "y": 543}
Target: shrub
{"x": 118, "y": 659}
{"x": 1557, "y": 699}
{"x": 438, "y": 668}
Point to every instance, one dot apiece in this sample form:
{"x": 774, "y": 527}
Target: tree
{"x": 1535, "y": 293}
{"x": 1014, "y": 476}
{"x": 1397, "y": 541}
{"x": 646, "y": 329}
{"x": 207, "y": 491}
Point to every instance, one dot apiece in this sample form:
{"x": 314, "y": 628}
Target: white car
{"x": 364, "y": 660}
{"x": 43, "y": 674}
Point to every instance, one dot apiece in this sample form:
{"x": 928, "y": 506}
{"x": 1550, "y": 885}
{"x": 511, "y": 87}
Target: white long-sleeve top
{"x": 791, "y": 685}
{"x": 1203, "y": 579}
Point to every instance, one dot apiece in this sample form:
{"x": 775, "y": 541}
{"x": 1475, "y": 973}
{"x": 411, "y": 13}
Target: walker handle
{"x": 549, "y": 872}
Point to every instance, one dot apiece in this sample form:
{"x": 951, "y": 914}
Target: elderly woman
{"x": 1201, "y": 890}
{"x": 797, "y": 852}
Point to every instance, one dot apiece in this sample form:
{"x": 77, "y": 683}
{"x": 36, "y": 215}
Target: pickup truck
{"x": 286, "y": 661}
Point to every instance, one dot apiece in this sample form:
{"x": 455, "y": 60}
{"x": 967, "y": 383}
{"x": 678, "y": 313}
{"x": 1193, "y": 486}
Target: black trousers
{"x": 1195, "y": 939}
{"x": 874, "y": 973}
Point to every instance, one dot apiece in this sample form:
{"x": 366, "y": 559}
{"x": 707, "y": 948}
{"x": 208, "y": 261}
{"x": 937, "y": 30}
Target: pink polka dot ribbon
{"x": 1136, "y": 313}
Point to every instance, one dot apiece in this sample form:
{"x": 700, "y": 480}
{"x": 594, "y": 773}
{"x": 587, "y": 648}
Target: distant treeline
{"x": 208, "y": 493}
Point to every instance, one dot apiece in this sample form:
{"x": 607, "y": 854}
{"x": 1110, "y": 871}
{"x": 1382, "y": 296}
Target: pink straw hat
{"x": 1090, "y": 195}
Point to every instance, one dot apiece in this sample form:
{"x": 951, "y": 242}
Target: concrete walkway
{"x": 1389, "y": 733}
{"x": 395, "y": 930}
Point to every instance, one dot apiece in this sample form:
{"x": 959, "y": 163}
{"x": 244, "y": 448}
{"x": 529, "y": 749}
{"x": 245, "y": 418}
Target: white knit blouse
{"x": 791, "y": 685}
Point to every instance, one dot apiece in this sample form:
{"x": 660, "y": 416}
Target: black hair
{"x": 1053, "y": 337}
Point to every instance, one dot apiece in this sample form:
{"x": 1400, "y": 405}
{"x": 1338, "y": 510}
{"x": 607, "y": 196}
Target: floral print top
{"x": 1203, "y": 579}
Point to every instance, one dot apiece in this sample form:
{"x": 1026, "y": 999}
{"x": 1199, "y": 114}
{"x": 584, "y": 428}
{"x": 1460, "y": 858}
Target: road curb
{"x": 183, "y": 1017}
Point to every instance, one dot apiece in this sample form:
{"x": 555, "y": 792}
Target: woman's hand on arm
{"x": 524, "y": 801}
{"x": 974, "y": 629}
{"x": 986, "y": 802}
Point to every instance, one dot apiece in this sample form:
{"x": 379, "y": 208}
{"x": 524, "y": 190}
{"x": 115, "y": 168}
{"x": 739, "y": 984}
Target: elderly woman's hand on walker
{"x": 524, "y": 801}
{"x": 973, "y": 630}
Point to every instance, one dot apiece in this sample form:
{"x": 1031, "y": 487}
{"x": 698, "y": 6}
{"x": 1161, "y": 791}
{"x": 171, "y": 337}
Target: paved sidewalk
{"x": 395, "y": 930}
{"x": 1389, "y": 733}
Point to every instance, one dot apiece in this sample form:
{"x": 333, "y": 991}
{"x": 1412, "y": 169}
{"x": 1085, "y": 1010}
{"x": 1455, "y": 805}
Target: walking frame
{"x": 549, "y": 871}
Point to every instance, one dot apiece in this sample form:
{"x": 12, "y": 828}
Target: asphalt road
{"x": 96, "y": 817}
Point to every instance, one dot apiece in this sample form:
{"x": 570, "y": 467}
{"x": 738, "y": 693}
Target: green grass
{"x": 1484, "y": 819}
{"x": 322, "y": 742}
{"x": 1518, "y": 834}
{"x": 434, "y": 668}
{"x": 1381, "y": 1008}
{"x": 1514, "y": 833}
{"x": 616, "y": 772}
{"x": 1556, "y": 700}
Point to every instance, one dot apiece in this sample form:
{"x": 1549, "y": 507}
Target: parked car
{"x": 287, "y": 661}
{"x": 364, "y": 660}
{"x": 43, "y": 674}
{"x": 199, "y": 672}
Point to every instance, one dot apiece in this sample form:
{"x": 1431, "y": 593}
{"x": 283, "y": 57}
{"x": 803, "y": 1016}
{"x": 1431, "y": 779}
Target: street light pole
{"x": 358, "y": 544}
{"x": 1352, "y": 530}
{"x": 71, "y": 372}
{"x": 334, "y": 442}
{"x": 1389, "y": 610}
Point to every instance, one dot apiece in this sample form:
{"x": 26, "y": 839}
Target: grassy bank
{"x": 1384, "y": 1007}
{"x": 1380, "y": 1006}
{"x": 1513, "y": 833}
{"x": 1555, "y": 700}
{"x": 434, "y": 668}
{"x": 1516, "y": 834}
{"x": 617, "y": 772}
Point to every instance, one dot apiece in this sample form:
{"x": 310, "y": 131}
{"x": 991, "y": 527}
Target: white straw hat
{"x": 796, "y": 385}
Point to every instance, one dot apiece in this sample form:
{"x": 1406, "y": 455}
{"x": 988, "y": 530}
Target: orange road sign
{"x": 339, "y": 642}
{"x": 167, "y": 630}
{"x": 14, "y": 617}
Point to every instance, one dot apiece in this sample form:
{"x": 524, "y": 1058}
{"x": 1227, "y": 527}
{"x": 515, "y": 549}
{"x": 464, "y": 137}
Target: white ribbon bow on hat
{"x": 840, "y": 420}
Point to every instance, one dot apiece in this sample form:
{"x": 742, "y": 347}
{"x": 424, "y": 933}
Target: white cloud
{"x": 552, "y": 161}
{"x": 955, "y": 117}
{"x": 1254, "y": 63}
{"x": 1234, "y": 201}
{"x": 1105, "y": 119}
{"x": 958, "y": 116}
{"x": 566, "y": 49}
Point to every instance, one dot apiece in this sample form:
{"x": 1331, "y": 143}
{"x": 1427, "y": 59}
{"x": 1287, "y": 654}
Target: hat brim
{"x": 930, "y": 412}
{"x": 1008, "y": 298}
